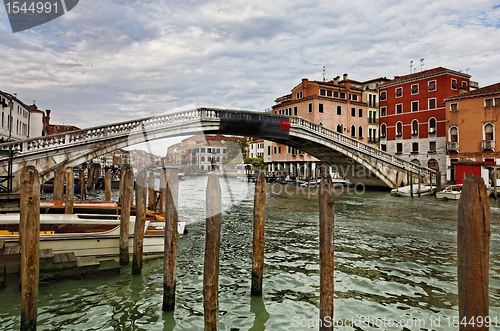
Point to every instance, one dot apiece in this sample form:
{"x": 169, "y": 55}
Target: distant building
{"x": 413, "y": 116}
{"x": 208, "y": 155}
{"x": 50, "y": 129}
{"x": 18, "y": 120}
{"x": 256, "y": 149}
{"x": 472, "y": 129}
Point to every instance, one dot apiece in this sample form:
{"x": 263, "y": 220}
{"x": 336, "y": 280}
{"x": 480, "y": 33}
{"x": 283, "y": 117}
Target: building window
{"x": 322, "y": 92}
{"x": 454, "y": 107}
{"x": 431, "y": 86}
{"x": 432, "y": 125}
{"x": 383, "y": 96}
{"x": 279, "y": 150}
{"x": 342, "y": 95}
{"x": 353, "y": 131}
{"x": 383, "y": 130}
{"x": 339, "y": 128}
{"x": 360, "y": 112}
{"x": 488, "y": 132}
{"x": 339, "y": 110}
{"x": 295, "y": 111}
{"x": 432, "y": 103}
{"x": 209, "y": 150}
{"x": 453, "y": 135}
{"x": 414, "y": 106}
{"x": 310, "y": 108}
{"x": 432, "y": 146}
{"x": 453, "y": 84}
{"x": 464, "y": 85}
{"x": 268, "y": 150}
{"x": 399, "y": 108}
{"x": 433, "y": 164}
{"x": 329, "y": 94}
{"x": 414, "y": 89}
{"x": 300, "y": 95}
{"x": 383, "y": 111}
{"x": 353, "y": 112}
{"x": 399, "y": 129}
{"x": 202, "y": 159}
{"x": 399, "y": 148}
{"x": 399, "y": 92}
{"x": 497, "y": 102}
{"x": 414, "y": 128}
{"x": 360, "y": 131}
{"x": 353, "y": 97}
{"x": 320, "y": 123}
{"x": 275, "y": 150}
{"x": 335, "y": 94}
{"x": 383, "y": 147}
{"x": 414, "y": 147}
{"x": 488, "y": 103}
{"x": 320, "y": 107}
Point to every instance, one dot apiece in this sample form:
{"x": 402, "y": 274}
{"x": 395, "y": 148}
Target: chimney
{"x": 15, "y": 95}
{"x": 304, "y": 87}
{"x": 336, "y": 80}
{"x": 345, "y": 76}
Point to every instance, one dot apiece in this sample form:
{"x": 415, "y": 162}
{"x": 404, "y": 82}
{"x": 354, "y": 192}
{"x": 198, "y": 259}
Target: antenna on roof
{"x": 421, "y": 63}
{"x": 324, "y": 70}
{"x": 411, "y": 66}
{"x": 467, "y": 70}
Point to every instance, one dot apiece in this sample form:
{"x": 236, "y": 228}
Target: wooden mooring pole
{"x": 140, "y": 219}
{"x": 259, "y": 216}
{"x": 438, "y": 181}
{"x": 70, "y": 191}
{"x": 326, "y": 251}
{"x": 107, "y": 186}
{"x": 473, "y": 246}
{"x": 90, "y": 176}
{"x": 212, "y": 250}
{"x": 83, "y": 186}
{"x": 58, "y": 183}
{"x": 495, "y": 176}
{"x": 151, "y": 191}
{"x": 171, "y": 220}
{"x": 29, "y": 237}
{"x": 411, "y": 184}
{"x": 126, "y": 189}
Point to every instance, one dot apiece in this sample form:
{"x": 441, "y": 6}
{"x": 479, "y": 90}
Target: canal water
{"x": 395, "y": 262}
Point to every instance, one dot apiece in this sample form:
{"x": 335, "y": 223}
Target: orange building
{"x": 471, "y": 122}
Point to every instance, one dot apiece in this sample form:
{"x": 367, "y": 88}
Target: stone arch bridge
{"x": 368, "y": 165}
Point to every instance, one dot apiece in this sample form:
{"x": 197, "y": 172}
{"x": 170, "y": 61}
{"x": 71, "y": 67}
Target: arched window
{"x": 415, "y": 161}
{"x": 414, "y": 127}
{"x": 433, "y": 164}
{"x": 383, "y": 130}
{"x": 488, "y": 132}
{"x": 360, "y": 131}
{"x": 453, "y": 134}
{"x": 353, "y": 131}
{"x": 399, "y": 129}
{"x": 432, "y": 125}
{"x": 339, "y": 128}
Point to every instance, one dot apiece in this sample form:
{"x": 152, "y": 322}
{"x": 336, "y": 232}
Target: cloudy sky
{"x": 115, "y": 60}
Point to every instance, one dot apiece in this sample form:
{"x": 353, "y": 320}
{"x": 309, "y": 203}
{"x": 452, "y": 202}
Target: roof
{"x": 424, "y": 74}
{"x": 257, "y": 141}
{"x": 483, "y": 91}
{"x": 211, "y": 143}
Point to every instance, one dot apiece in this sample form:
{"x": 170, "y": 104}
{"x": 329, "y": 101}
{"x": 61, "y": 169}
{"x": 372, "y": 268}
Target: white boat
{"x": 86, "y": 235}
{"x": 405, "y": 191}
{"x": 452, "y": 192}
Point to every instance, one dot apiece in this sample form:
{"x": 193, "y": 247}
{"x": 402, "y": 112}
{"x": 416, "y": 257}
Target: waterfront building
{"x": 18, "y": 120}
{"x": 208, "y": 155}
{"x": 472, "y": 128}
{"x": 256, "y": 149}
{"x": 413, "y": 116}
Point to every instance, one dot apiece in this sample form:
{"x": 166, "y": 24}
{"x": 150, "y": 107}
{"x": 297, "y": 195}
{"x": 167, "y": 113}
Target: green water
{"x": 395, "y": 258}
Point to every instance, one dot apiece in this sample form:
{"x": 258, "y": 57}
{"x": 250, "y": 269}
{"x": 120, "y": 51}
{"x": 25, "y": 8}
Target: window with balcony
{"x": 399, "y": 108}
{"x": 432, "y": 125}
{"x": 383, "y": 95}
{"x": 453, "y": 106}
{"x": 399, "y": 129}
{"x": 432, "y": 103}
{"x": 399, "y": 92}
{"x": 431, "y": 86}
{"x": 339, "y": 110}
{"x": 353, "y": 131}
{"x": 453, "y": 135}
{"x": 488, "y": 132}
{"x": 383, "y": 111}
{"x": 414, "y": 89}
{"x": 320, "y": 108}
{"x": 414, "y": 128}
{"x": 414, "y": 106}
{"x": 453, "y": 84}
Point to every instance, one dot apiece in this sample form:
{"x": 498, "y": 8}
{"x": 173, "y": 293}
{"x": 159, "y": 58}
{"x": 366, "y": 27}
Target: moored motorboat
{"x": 86, "y": 235}
{"x": 405, "y": 191}
{"x": 452, "y": 192}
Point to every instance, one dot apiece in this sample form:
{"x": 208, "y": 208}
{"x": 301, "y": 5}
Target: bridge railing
{"x": 360, "y": 146}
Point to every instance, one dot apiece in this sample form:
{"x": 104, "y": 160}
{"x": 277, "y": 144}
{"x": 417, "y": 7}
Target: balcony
{"x": 432, "y": 130}
{"x": 488, "y": 144}
{"x": 399, "y": 134}
{"x": 452, "y": 146}
{"x": 373, "y": 140}
{"x": 414, "y": 132}
{"x": 373, "y": 121}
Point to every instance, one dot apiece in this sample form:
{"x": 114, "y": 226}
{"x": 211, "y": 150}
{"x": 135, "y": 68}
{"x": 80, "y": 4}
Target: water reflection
{"x": 258, "y": 308}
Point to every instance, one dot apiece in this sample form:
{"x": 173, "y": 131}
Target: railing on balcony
{"x": 373, "y": 140}
{"x": 488, "y": 144}
{"x": 452, "y": 146}
{"x": 373, "y": 121}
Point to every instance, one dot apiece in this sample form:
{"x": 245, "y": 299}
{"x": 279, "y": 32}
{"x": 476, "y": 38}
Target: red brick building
{"x": 413, "y": 115}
